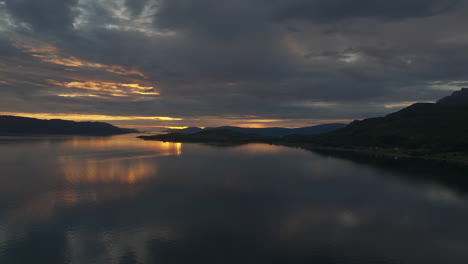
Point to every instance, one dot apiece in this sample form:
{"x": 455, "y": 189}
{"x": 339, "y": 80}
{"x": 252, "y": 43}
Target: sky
{"x": 255, "y": 63}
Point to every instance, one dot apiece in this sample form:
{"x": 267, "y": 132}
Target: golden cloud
{"x": 96, "y": 88}
{"x": 51, "y": 54}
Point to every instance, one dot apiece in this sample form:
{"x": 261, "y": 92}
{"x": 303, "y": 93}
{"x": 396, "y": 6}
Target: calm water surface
{"x": 126, "y": 201}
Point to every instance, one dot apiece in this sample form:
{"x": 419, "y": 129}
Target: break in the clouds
{"x": 215, "y": 62}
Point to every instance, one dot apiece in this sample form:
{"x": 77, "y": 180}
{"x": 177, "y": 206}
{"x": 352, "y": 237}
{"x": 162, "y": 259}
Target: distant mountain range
{"x": 211, "y": 136}
{"x": 269, "y": 132}
{"x": 429, "y": 130}
{"x": 14, "y": 125}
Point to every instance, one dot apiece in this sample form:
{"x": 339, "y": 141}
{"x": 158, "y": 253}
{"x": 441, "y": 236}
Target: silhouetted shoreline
{"x": 429, "y": 131}
{"x": 398, "y": 153}
{"x": 23, "y": 126}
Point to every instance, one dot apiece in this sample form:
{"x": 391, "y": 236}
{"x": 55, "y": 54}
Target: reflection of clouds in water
{"x": 263, "y": 149}
{"x": 438, "y": 193}
{"x": 117, "y": 164}
{"x": 108, "y": 171}
{"x": 3, "y": 236}
{"x": 11, "y": 231}
{"x": 114, "y": 160}
{"x": 296, "y": 224}
{"x": 95, "y": 170}
{"x": 326, "y": 168}
{"x": 126, "y": 143}
{"x": 72, "y": 197}
{"x": 401, "y": 231}
{"x": 15, "y": 223}
{"x": 102, "y": 202}
{"x": 348, "y": 219}
{"x": 114, "y": 244}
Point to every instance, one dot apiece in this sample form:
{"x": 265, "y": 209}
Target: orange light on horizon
{"x": 89, "y": 117}
{"x": 265, "y": 120}
{"x": 251, "y": 125}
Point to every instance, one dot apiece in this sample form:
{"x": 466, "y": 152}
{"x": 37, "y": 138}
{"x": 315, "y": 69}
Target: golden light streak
{"x": 178, "y": 148}
{"x": 41, "y": 48}
{"x": 88, "y": 117}
{"x": 260, "y": 148}
{"x": 150, "y": 126}
{"x": 108, "y": 171}
{"x": 77, "y": 95}
{"x": 155, "y": 148}
{"x": 264, "y": 120}
{"x": 70, "y": 61}
{"x": 251, "y": 125}
{"x": 135, "y": 86}
{"x": 123, "y": 71}
{"x": 109, "y": 88}
{"x": 75, "y": 62}
{"x": 50, "y": 54}
{"x": 264, "y": 123}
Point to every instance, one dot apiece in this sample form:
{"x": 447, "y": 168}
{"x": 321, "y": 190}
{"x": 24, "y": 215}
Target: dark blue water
{"x": 122, "y": 200}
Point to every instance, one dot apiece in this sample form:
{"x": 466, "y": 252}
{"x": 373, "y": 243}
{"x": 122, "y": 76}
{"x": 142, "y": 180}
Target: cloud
{"x": 136, "y": 6}
{"x": 105, "y": 89}
{"x": 228, "y": 60}
{"x": 7, "y": 49}
{"x": 326, "y": 11}
{"x": 44, "y": 15}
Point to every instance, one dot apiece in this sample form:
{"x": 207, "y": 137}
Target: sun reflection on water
{"x": 108, "y": 171}
{"x": 124, "y": 142}
{"x": 130, "y": 162}
{"x": 258, "y": 148}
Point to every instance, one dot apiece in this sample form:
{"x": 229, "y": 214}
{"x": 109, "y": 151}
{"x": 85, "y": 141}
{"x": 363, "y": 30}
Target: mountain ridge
{"x": 17, "y": 125}
{"x": 269, "y": 132}
{"x": 434, "y": 131}
{"x": 427, "y": 127}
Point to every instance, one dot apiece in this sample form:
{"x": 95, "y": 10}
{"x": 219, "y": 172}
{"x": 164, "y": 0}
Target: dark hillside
{"x": 13, "y": 125}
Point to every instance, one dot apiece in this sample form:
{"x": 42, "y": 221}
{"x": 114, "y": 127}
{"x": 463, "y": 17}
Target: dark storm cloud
{"x": 325, "y": 11}
{"x": 224, "y": 58}
{"x": 136, "y": 6}
{"x": 44, "y": 15}
{"x": 7, "y": 49}
{"x": 230, "y": 19}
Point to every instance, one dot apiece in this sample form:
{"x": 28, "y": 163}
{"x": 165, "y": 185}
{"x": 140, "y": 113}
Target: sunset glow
{"x": 89, "y": 117}
{"x": 108, "y": 88}
{"x": 136, "y": 58}
{"x": 233, "y": 131}
{"x": 50, "y": 54}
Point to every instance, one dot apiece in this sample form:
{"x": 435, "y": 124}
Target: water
{"x": 125, "y": 201}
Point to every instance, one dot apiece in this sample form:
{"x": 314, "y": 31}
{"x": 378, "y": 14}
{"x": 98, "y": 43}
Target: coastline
{"x": 456, "y": 158}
